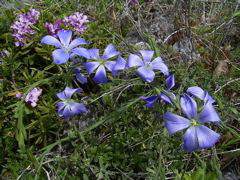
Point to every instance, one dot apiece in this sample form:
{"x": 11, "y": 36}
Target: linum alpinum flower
{"x": 100, "y": 63}
{"x": 68, "y": 107}
{"x": 197, "y": 136}
{"x": 145, "y": 71}
{"x": 66, "y": 48}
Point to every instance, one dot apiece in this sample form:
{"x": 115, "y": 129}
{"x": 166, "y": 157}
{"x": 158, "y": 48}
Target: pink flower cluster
{"x": 22, "y": 26}
{"x": 77, "y": 22}
{"x": 53, "y": 28}
{"x": 32, "y": 96}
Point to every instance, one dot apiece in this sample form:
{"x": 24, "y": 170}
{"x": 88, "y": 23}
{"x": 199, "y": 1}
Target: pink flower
{"x": 22, "y": 27}
{"x": 53, "y": 28}
{"x": 32, "y": 96}
{"x": 77, "y": 22}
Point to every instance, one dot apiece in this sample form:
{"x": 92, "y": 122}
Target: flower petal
{"x": 94, "y": 53}
{"x": 60, "y": 56}
{"x": 119, "y": 65}
{"x": 189, "y": 106}
{"x": 77, "y": 108}
{"x": 196, "y": 91}
{"x": 109, "y": 65}
{"x": 175, "y": 123}
{"x": 51, "y": 41}
{"x": 81, "y": 52}
{"x": 200, "y": 93}
{"x": 170, "y": 82}
{"x": 77, "y": 42}
{"x": 66, "y": 112}
{"x": 65, "y": 36}
{"x": 67, "y": 93}
{"x": 147, "y": 55}
{"x": 146, "y": 74}
{"x": 208, "y": 98}
{"x": 190, "y": 140}
{"x": 209, "y": 114}
{"x": 61, "y": 106}
{"x": 134, "y": 60}
{"x": 90, "y": 66}
{"x": 100, "y": 76}
{"x": 159, "y": 64}
{"x": 165, "y": 98}
{"x": 109, "y": 52}
{"x": 206, "y": 137}
{"x": 150, "y": 100}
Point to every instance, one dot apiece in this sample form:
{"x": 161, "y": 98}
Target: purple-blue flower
{"x": 150, "y": 100}
{"x": 100, "y": 63}
{"x": 145, "y": 71}
{"x": 197, "y": 136}
{"x": 67, "y": 48}
{"x": 67, "y": 107}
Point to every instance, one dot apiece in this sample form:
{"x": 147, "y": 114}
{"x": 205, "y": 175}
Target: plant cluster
{"x": 79, "y": 101}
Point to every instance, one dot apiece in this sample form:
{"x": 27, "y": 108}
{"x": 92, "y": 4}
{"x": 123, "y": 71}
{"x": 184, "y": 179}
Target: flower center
{"x": 68, "y": 101}
{"x": 148, "y": 66}
{"x": 101, "y": 61}
{"x": 66, "y": 48}
{"x": 194, "y": 122}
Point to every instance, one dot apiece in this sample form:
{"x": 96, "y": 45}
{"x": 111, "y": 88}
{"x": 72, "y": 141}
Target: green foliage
{"x": 119, "y": 138}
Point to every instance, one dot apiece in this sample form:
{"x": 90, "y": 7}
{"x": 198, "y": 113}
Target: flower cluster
{"x": 197, "y": 135}
{"x": 100, "y": 63}
{"x": 53, "y": 28}
{"x": 32, "y": 96}
{"x": 77, "y": 22}
{"x": 22, "y": 27}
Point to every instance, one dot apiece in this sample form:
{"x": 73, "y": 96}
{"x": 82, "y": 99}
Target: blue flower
{"x": 67, "y": 107}
{"x": 100, "y": 63}
{"x": 66, "y": 49}
{"x": 145, "y": 71}
{"x": 197, "y": 136}
{"x": 150, "y": 100}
